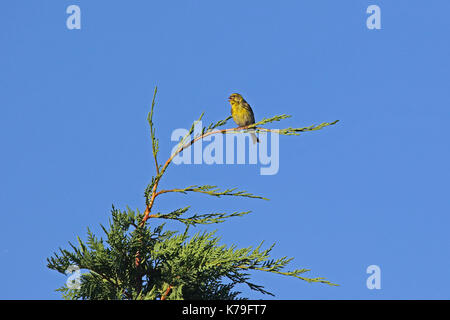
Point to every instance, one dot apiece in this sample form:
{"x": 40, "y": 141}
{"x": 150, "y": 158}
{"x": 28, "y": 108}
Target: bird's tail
{"x": 254, "y": 138}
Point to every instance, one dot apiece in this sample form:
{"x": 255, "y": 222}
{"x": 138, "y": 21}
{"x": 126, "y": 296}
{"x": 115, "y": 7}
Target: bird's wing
{"x": 249, "y": 109}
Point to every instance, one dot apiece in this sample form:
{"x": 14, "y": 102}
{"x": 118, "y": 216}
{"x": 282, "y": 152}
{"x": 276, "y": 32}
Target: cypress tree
{"x": 141, "y": 260}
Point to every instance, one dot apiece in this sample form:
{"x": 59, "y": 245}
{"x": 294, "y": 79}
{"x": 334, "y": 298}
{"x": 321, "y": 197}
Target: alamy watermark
{"x": 74, "y": 20}
{"x": 374, "y": 20}
{"x": 374, "y": 280}
{"x": 74, "y": 279}
{"x": 230, "y": 148}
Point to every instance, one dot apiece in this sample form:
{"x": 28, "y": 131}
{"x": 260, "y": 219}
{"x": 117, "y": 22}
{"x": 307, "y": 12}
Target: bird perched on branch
{"x": 242, "y": 113}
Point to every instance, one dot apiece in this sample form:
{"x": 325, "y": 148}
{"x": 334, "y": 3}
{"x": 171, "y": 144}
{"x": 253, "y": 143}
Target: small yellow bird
{"x": 242, "y": 113}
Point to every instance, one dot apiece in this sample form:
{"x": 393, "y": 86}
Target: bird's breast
{"x": 241, "y": 115}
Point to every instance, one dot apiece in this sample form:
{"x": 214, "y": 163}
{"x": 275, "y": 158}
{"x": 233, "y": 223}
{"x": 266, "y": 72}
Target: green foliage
{"x": 214, "y": 191}
{"x": 138, "y": 261}
{"x": 289, "y": 131}
{"x": 208, "y": 218}
{"x": 196, "y": 267}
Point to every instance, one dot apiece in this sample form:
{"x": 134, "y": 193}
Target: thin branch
{"x": 207, "y": 218}
{"x": 166, "y": 293}
{"x": 155, "y": 144}
{"x": 294, "y": 273}
{"x": 213, "y": 191}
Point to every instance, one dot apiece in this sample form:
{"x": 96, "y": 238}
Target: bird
{"x": 242, "y": 113}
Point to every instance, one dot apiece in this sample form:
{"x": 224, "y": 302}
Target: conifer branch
{"x": 213, "y": 191}
{"x": 294, "y": 131}
{"x": 155, "y": 142}
{"x": 207, "y": 218}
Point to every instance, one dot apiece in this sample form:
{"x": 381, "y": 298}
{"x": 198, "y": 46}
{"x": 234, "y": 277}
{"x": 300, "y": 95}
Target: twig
{"x": 166, "y": 293}
{"x": 152, "y": 131}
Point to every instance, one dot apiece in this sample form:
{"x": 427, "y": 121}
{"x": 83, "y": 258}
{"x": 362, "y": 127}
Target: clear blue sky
{"x": 371, "y": 190}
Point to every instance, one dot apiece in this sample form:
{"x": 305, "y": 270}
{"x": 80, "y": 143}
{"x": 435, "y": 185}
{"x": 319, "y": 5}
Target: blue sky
{"x": 372, "y": 189}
